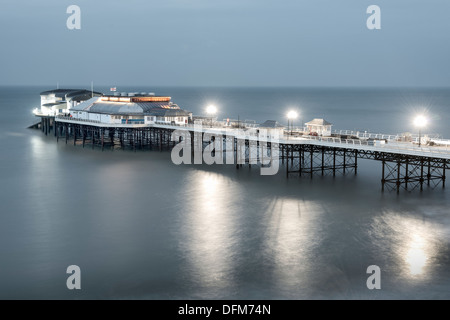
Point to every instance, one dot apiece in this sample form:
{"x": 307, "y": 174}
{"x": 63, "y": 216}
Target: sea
{"x": 140, "y": 227}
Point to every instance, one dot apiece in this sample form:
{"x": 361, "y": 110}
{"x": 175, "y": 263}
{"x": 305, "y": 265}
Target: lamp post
{"x": 211, "y": 110}
{"x": 420, "y": 122}
{"x": 291, "y": 115}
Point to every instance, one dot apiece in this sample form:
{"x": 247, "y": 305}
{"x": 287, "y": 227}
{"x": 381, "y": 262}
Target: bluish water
{"x": 141, "y": 227}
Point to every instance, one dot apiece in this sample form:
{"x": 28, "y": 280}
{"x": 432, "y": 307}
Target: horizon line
{"x": 236, "y": 86}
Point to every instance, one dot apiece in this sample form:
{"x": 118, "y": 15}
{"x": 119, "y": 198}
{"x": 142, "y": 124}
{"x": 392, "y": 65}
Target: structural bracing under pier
{"x": 115, "y": 138}
{"x": 320, "y": 160}
{"x": 409, "y": 173}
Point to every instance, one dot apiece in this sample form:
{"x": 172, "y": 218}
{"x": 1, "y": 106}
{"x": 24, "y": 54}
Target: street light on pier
{"x": 211, "y": 110}
{"x": 420, "y": 121}
{"x": 291, "y": 115}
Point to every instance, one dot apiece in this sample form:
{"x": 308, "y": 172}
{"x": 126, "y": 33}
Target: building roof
{"x": 60, "y": 92}
{"x": 318, "y": 122}
{"x": 82, "y": 95}
{"x": 71, "y": 94}
{"x": 160, "y": 109}
{"x": 54, "y": 104}
{"x": 271, "y": 124}
{"x": 85, "y": 105}
{"x": 115, "y": 108}
{"x": 160, "y": 112}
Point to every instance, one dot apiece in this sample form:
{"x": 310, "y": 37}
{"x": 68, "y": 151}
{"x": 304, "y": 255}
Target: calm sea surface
{"x": 141, "y": 227}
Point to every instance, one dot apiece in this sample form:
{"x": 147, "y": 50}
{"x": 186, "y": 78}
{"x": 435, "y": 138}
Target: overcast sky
{"x": 225, "y": 42}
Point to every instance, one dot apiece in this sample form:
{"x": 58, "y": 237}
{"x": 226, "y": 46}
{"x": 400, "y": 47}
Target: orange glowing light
{"x": 136, "y": 99}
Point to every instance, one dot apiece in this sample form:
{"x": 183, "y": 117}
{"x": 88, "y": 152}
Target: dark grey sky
{"x": 226, "y": 42}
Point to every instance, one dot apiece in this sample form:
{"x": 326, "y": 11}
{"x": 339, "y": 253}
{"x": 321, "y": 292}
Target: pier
{"x": 144, "y": 121}
{"x": 403, "y": 164}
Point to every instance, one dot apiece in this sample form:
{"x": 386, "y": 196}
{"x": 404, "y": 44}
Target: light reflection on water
{"x": 292, "y": 230}
{"x": 417, "y": 256}
{"x": 412, "y": 241}
{"x": 209, "y": 227}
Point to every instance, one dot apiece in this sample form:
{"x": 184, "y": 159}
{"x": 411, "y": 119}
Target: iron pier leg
{"x": 103, "y": 137}
{"x": 84, "y": 135}
{"x": 323, "y": 159}
{"x": 398, "y": 176}
{"x": 334, "y": 162}
{"x": 292, "y": 156}
{"x": 421, "y": 175}
{"x": 443, "y": 173}
{"x": 300, "y": 161}
{"x": 345, "y": 152}
{"x": 406, "y": 174}
{"x": 75, "y": 134}
{"x": 235, "y": 143}
{"x": 383, "y": 180}
{"x": 192, "y": 144}
{"x": 287, "y": 163}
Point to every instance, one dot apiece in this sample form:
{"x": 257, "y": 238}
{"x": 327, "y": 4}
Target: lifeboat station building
{"x": 60, "y": 101}
{"x": 130, "y": 110}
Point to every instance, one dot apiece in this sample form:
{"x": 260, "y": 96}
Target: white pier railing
{"x": 392, "y": 146}
{"x": 76, "y": 119}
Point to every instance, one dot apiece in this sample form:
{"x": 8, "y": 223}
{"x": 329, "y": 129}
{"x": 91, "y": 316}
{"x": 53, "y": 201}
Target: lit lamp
{"x": 291, "y": 115}
{"x": 420, "y": 122}
{"x": 211, "y": 110}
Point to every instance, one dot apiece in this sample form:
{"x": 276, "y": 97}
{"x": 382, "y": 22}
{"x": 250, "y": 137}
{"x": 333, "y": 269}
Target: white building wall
{"x": 150, "y": 119}
{"x": 46, "y": 110}
{"x": 105, "y": 118}
{"x": 320, "y": 130}
{"x": 48, "y": 99}
{"x": 326, "y": 131}
{"x": 118, "y": 119}
{"x": 79, "y": 115}
{"x": 51, "y": 98}
{"x": 178, "y": 120}
{"x": 94, "y": 116}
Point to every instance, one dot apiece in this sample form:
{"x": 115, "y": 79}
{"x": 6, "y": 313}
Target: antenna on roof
{"x": 92, "y": 89}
